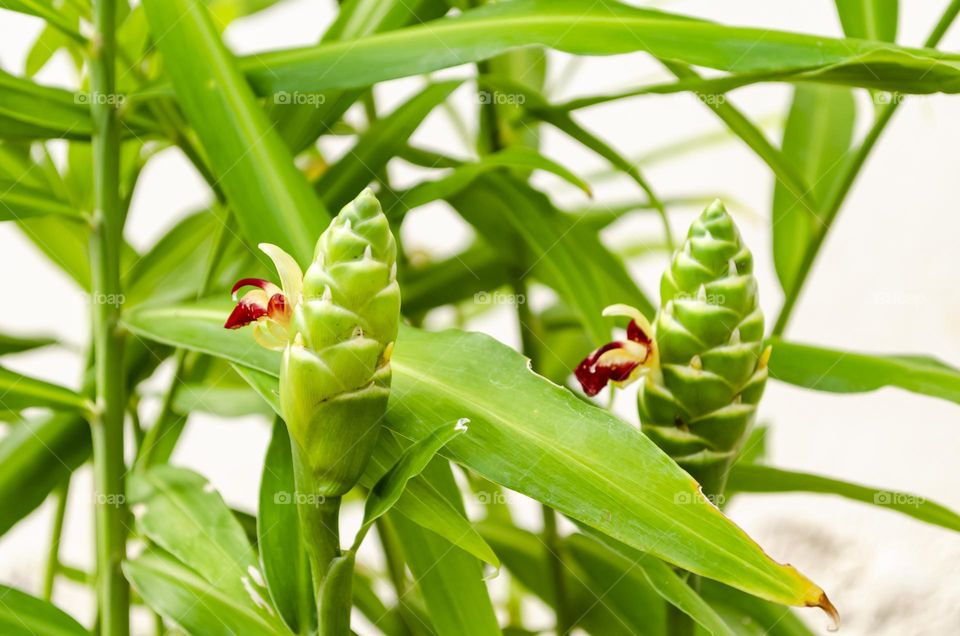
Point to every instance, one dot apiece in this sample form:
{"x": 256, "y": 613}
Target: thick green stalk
{"x": 113, "y": 593}
{"x": 319, "y": 516}
{"x": 849, "y": 176}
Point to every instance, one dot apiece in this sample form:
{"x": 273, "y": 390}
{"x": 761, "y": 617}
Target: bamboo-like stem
{"x": 113, "y": 593}
{"x": 849, "y": 176}
{"x": 56, "y": 532}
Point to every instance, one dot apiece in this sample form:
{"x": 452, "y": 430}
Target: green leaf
{"x": 816, "y": 141}
{"x": 20, "y": 391}
{"x": 388, "y": 490}
{"x": 519, "y": 157}
{"x": 174, "y": 267}
{"x": 36, "y": 455}
{"x": 336, "y": 594}
{"x": 603, "y": 598}
{"x": 270, "y": 198}
{"x": 178, "y": 510}
{"x": 667, "y": 583}
{"x": 577, "y": 458}
{"x": 32, "y": 111}
{"x": 420, "y": 502}
{"x": 450, "y": 580}
{"x": 301, "y": 124}
{"x": 17, "y": 344}
{"x": 835, "y": 371}
{"x": 20, "y": 202}
{"x": 25, "y": 615}
{"x": 585, "y": 27}
{"x": 44, "y": 10}
{"x": 751, "y": 616}
{"x": 182, "y": 596}
{"x": 869, "y": 19}
{"x": 757, "y": 478}
{"x": 564, "y": 254}
{"x": 459, "y": 277}
{"x": 285, "y": 565}
{"x": 739, "y": 124}
{"x": 380, "y": 143}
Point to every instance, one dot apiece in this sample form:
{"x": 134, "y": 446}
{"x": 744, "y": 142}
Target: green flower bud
{"x": 336, "y": 325}
{"x": 713, "y": 365}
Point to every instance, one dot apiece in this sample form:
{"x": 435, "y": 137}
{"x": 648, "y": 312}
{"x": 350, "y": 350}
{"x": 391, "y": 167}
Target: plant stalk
{"x": 849, "y": 176}
{"x": 113, "y": 593}
{"x": 320, "y": 532}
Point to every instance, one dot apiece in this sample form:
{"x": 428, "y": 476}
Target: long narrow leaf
{"x": 182, "y": 596}
{"x": 757, "y": 478}
{"x": 285, "y": 565}
{"x": 586, "y": 27}
{"x": 384, "y": 139}
{"x": 420, "y": 502}
{"x": 19, "y": 391}
{"x": 835, "y": 371}
{"x": 536, "y": 438}
{"x": 450, "y": 579}
{"x": 816, "y": 141}
{"x": 270, "y": 198}
{"x": 25, "y": 615}
{"x": 869, "y": 19}
{"x": 388, "y": 490}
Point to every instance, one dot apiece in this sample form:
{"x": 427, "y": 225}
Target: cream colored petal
{"x": 291, "y": 276}
{"x": 630, "y": 312}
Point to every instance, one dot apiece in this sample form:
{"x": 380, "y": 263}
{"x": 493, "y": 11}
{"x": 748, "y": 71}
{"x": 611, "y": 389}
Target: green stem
{"x": 320, "y": 532}
{"x": 53, "y": 555}
{"x": 846, "y": 182}
{"x": 113, "y": 593}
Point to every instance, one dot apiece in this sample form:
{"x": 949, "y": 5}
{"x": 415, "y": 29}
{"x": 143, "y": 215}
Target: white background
{"x": 885, "y": 282}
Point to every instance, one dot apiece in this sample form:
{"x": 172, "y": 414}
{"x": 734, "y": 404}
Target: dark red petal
{"x": 636, "y": 334}
{"x": 243, "y": 314}
{"x": 593, "y": 376}
{"x": 278, "y": 309}
{"x": 252, "y": 282}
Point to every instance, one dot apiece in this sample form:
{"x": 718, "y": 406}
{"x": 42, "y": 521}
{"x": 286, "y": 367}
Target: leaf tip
{"x": 824, "y": 603}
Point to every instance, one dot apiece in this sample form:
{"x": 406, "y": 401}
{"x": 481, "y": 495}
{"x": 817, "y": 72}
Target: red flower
{"x": 621, "y": 361}
{"x": 268, "y": 307}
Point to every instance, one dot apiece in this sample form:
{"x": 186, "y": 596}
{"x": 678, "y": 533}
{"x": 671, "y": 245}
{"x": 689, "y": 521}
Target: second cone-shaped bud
{"x": 709, "y": 332}
{"x": 335, "y": 375}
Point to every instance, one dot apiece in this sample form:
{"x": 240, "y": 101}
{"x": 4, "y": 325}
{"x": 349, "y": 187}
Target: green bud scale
{"x": 335, "y": 374}
{"x": 336, "y": 326}
{"x": 712, "y": 363}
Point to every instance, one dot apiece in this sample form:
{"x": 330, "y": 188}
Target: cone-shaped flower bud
{"x": 336, "y": 325}
{"x": 713, "y": 365}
